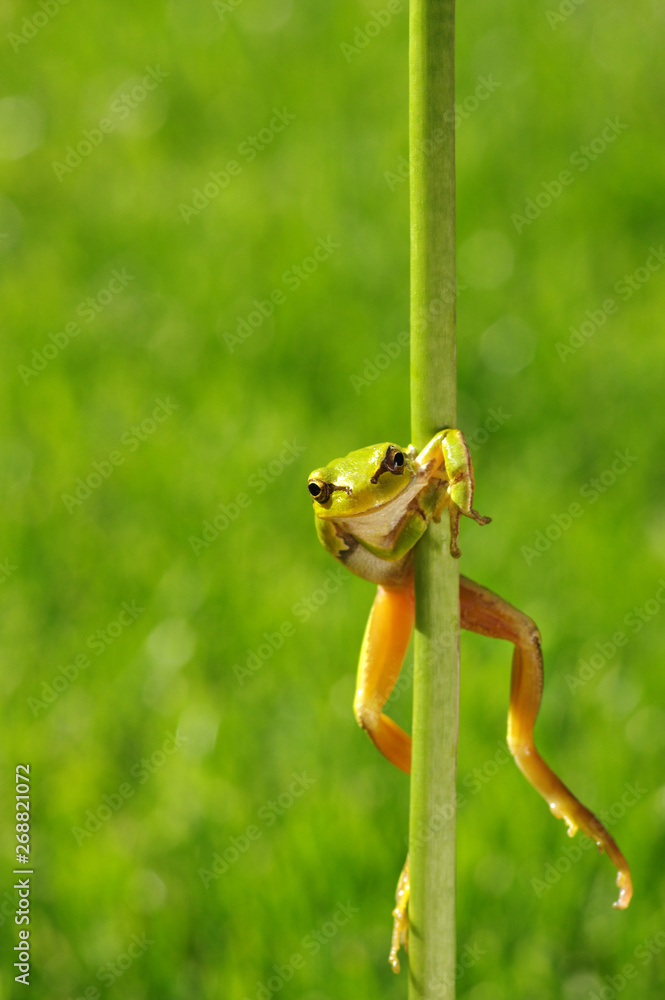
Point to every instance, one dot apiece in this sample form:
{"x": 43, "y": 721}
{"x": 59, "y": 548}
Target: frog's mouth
{"x": 378, "y": 525}
{"x": 398, "y": 503}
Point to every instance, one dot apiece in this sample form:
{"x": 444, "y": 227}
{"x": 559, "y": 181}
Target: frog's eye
{"x": 395, "y": 461}
{"x": 319, "y": 490}
{"x": 392, "y": 462}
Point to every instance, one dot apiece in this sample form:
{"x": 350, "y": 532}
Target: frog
{"x": 371, "y": 508}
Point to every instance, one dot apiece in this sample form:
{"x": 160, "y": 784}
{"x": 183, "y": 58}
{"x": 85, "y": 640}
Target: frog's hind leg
{"x": 486, "y": 613}
{"x": 386, "y": 640}
{"x": 384, "y": 646}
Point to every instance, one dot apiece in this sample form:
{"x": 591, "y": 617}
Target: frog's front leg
{"x": 485, "y": 612}
{"x": 447, "y": 459}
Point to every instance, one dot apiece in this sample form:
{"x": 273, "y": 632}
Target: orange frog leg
{"x": 386, "y": 640}
{"x": 384, "y": 646}
{"x": 486, "y": 613}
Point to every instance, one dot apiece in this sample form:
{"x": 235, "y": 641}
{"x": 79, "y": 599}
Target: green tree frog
{"x": 371, "y": 508}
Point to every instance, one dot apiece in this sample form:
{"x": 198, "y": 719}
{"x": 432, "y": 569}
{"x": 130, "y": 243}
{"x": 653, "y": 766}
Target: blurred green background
{"x": 238, "y": 647}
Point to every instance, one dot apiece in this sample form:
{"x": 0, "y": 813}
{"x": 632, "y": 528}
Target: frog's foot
{"x": 576, "y": 816}
{"x": 625, "y": 884}
{"x": 400, "y": 918}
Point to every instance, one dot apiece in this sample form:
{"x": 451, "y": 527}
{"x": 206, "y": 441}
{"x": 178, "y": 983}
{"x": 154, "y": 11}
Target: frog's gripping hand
{"x": 449, "y": 454}
{"x": 384, "y": 646}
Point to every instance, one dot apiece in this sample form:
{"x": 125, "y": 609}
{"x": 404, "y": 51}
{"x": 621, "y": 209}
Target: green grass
{"x": 342, "y": 841}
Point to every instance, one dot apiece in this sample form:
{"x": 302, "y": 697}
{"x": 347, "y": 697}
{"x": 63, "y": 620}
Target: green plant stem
{"x": 433, "y": 407}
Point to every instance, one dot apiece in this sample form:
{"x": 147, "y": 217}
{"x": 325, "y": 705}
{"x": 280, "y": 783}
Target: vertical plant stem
{"x": 433, "y": 407}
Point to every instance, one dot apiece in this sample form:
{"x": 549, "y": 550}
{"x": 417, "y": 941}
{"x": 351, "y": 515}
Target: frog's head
{"x": 360, "y": 482}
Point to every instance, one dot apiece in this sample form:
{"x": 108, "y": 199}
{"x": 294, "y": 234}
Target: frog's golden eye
{"x": 319, "y": 490}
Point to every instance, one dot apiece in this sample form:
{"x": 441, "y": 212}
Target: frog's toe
{"x": 400, "y": 918}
